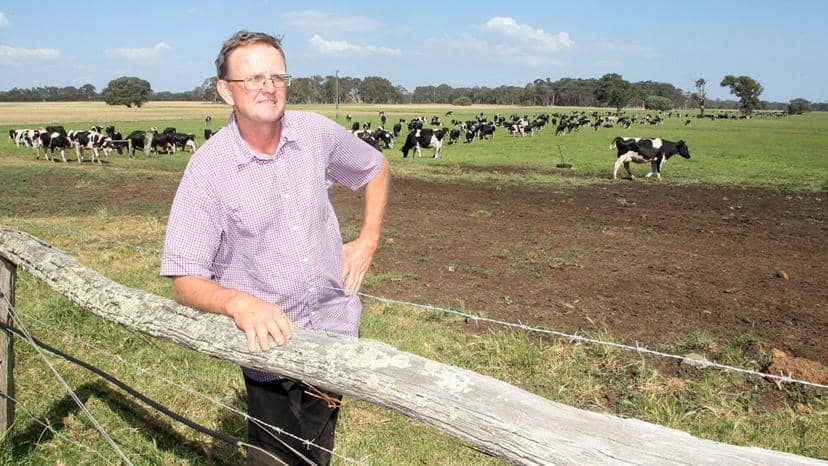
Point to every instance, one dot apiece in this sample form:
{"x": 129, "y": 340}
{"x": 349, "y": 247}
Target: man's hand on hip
{"x": 258, "y": 319}
{"x": 357, "y": 259}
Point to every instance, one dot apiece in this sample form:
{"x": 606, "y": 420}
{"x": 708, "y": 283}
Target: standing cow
{"x": 638, "y": 150}
{"x": 424, "y": 137}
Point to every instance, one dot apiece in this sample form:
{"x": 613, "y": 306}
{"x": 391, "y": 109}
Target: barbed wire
{"x": 268, "y": 428}
{"x": 48, "y": 426}
{"x": 475, "y": 317}
{"x": 28, "y": 338}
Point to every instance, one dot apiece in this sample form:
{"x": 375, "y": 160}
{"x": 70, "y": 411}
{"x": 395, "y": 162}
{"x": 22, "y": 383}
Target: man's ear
{"x": 223, "y": 88}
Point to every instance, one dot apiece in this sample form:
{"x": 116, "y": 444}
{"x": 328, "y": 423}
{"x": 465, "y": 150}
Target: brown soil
{"x": 645, "y": 261}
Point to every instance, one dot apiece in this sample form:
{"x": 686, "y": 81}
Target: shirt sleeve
{"x": 193, "y": 230}
{"x": 351, "y": 161}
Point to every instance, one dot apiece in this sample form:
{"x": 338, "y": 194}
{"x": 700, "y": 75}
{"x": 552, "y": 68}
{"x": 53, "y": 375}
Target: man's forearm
{"x": 376, "y": 197}
{"x": 204, "y": 294}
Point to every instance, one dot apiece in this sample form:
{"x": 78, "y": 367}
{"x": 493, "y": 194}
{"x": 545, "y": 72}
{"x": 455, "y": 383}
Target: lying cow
{"x": 424, "y": 137}
{"x": 638, "y": 150}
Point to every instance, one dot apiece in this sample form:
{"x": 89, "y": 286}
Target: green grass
{"x": 93, "y": 212}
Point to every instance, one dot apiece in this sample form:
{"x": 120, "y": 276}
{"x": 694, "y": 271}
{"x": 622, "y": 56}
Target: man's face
{"x": 264, "y": 106}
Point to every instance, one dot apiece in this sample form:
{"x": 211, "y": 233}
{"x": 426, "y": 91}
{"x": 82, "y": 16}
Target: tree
{"x": 746, "y": 89}
{"x": 614, "y": 91}
{"x": 700, "y": 96}
{"x": 656, "y": 102}
{"x": 88, "y": 92}
{"x": 207, "y": 90}
{"x": 376, "y": 90}
{"x": 127, "y": 90}
{"x": 462, "y": 101}
{"x": 798, "y": 106}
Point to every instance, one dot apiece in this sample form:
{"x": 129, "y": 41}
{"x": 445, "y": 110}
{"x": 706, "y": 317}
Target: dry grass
{"x": 30, "y": 113}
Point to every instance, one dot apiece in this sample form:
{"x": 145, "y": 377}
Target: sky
{"x": 173, "y": 44}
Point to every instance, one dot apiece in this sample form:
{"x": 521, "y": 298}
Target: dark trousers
{"x": 287, "y": 405}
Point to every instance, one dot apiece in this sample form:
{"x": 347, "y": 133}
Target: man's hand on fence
{"x": 258, "y": 320}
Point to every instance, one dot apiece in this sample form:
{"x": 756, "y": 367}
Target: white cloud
{"x": 503, "y": 41}
{"x": 13, "y": 55}
{"x": 319, "y": 20}
{"x": 341, "y": 47}
{"x": 499, "y": 52}
{"x": 525, "y": 35}
{"x": 139, "y": 53}
{"x": 4, "y": 21}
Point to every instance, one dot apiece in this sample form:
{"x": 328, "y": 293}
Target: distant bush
{"x": 655, "y": 102}
{"x": 462, "y": 101}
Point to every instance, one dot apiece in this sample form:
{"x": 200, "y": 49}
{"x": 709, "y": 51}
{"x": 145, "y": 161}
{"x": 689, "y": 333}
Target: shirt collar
{"x": 245, "y": 154}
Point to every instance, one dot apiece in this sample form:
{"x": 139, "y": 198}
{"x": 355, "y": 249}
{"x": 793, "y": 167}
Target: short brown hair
{"x": 241, "y": 39}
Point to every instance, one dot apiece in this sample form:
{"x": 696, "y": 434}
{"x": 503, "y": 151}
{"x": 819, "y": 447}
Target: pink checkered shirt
{"x": 263, "y": 223}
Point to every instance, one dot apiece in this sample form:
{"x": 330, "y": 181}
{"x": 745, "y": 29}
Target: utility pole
{"x": 337, "y": 95}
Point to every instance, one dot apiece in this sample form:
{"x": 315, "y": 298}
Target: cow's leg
{"x": 653, "y": 168}
{"x": 622, "y": 159}
{"x": 419, "y": 152}
{"x": 627, "y": 167}
{"x": 78, "y": 152}
{"x": 62, "y": 154}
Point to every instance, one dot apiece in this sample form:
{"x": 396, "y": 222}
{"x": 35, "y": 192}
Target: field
{"x": 726, "y": 256}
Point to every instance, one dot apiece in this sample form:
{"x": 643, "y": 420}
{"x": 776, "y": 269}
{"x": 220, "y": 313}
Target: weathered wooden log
{"x": 487, "y": 414}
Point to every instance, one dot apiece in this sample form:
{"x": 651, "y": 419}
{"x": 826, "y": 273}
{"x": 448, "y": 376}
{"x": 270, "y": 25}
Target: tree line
{"x": 611, "y": 90}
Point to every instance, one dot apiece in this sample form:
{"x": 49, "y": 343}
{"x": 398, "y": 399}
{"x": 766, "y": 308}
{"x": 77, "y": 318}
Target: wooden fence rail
{"x": 487, "y": 414}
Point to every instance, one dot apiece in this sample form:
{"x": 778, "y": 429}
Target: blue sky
{"x": 173, "y": 44}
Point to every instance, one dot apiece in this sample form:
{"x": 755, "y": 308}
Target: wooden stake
{"x": 7, "y": 277}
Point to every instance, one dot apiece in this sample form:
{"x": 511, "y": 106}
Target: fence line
{"x": 217, "y": 402}
{"x": 521, "y": 326}
{"x": 489, "y": 415}
{"x": 28, "y": 337}
{"x": 51, "y": 429}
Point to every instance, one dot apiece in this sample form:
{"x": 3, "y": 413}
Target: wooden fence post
{"x": 7, "y": 276}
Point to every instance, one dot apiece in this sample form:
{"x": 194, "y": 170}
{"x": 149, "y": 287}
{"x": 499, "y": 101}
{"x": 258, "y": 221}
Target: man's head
{"x": 255, "y": 57}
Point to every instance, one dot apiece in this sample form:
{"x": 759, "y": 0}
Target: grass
{"x": 96, "y": 212}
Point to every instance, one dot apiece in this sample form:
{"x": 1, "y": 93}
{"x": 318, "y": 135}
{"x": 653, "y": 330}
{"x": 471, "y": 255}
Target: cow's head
{"x": 683, "y": 150}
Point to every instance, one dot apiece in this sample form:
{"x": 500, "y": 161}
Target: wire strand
{"x": 28, "y": 337}
{"x": 571, "y": 337}
{"x": 47, "y": 425}
{"x": 270, "y": 429}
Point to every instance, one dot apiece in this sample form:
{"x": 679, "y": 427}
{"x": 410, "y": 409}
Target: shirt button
{"x": 310, "y": 289}
{"x": 304, "y": 259}
{"x": 295, "y": 227}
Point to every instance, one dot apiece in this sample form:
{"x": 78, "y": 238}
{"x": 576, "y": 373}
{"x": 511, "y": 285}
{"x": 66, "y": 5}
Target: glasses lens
{"x": 257, "y": 83}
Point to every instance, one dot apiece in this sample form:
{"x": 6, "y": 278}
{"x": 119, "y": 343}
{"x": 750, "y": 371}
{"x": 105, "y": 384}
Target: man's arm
{"x": 255, "y": 317}
{"x": 359, "y": 252}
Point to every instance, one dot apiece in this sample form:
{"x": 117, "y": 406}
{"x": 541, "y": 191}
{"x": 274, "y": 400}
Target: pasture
{"x": 726, "y": 256}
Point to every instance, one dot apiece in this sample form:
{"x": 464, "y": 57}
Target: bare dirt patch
{"x": 648, "y": 262}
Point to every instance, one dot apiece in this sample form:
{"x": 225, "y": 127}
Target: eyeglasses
{"x": 257, "y": 83}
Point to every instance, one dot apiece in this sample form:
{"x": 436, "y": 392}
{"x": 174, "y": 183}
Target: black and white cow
{"x": 386, "y": 137}
{"x": 54, "y": 138}
{"x": 165, "y": 140}
{"x": 94, "y": 141}
{"x": 654, "y": 150}
{"x": 454, "y": 136}
{"x": 186, "y": 141}
{"x": 424, "y": 137}
{"x": 138, "y": 139}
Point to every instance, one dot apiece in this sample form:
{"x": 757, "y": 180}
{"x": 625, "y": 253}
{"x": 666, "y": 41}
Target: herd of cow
{"x": 97, "y": 140}
{"x": 655, "y": 151}
{"x": 100, "y": 140}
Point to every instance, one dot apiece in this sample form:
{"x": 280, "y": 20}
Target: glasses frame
{"x": 257, "y": 83}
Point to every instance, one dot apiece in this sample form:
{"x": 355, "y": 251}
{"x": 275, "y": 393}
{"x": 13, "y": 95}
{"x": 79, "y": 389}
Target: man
{"x": 252, "y": 235}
